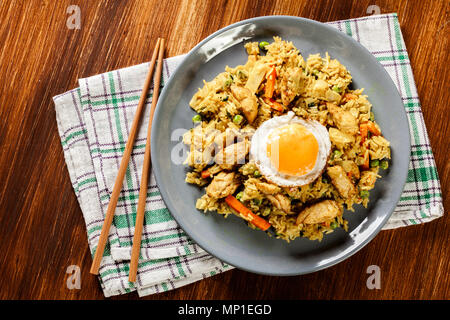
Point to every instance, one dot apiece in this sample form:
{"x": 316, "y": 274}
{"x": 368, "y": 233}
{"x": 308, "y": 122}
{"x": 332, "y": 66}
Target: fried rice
{"x": 312, "y": 89}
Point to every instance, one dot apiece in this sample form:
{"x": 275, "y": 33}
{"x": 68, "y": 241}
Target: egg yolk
{"x": 292, "y": 149}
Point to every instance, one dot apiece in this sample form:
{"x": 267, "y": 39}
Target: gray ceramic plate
{"x": 230, "y": 239}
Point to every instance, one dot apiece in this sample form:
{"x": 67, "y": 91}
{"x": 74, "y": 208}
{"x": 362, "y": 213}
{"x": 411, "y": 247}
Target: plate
{"x": 230, "y": 239}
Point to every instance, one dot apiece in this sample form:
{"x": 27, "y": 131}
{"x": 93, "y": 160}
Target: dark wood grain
{"x": 41, "y": 226}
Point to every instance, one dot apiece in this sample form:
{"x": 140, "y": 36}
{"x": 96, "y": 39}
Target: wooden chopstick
{"x": 135, "y": 251}
{"x": 122, "y": 168}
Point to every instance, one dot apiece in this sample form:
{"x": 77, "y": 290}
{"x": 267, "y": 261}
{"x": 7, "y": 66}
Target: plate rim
{"x": 209, "y": 248}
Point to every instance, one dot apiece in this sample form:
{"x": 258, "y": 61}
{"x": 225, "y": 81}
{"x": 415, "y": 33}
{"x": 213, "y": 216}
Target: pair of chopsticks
{"x": 135, "y": 251}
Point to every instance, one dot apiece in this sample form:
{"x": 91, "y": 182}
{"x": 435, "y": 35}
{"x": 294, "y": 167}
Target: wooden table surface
{"x": 41, "y": 226}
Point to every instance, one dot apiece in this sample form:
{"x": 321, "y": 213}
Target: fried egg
{"x": 290, "y": 151}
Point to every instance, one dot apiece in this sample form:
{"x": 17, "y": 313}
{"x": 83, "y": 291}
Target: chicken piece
{"x": 344, "y": 120}
{"x": 319, "y": 88}
{"x": 340, "y": 139}
{"x": 351, "y": 167}
{"x": 222, "y": 185}
{"x": 281, "y": 202}
{"x": 226, "y": 138}
{"x": 197, "y": 158}
{"x": 267, "y": 188}
{"x": 341, "y": 181}
{"x": 332, "y": 96}
{"x": 240, "y": 93}
{"x": 233, "y": 154}
{"x": 248, "y": 102}
{"x": 256, "y": 76}
{"x": 293, "y": 84}
{"x": 296, "y": 80}
{"x": 320, "y": 212}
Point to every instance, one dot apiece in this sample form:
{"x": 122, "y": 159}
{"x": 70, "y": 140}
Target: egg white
{"x": 258, "y": 150}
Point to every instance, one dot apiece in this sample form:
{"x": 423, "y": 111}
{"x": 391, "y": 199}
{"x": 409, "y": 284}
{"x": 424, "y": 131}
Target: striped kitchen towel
{"x": 94, "y": 121}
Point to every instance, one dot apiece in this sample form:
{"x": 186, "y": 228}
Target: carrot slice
{"x": 270, "y": 85}
{"x": 364, "y": 130}
{"x": 372, "y": 128}
{"x": 326, "y": 224}
{"x": 274, "y": 105}
{"x": 350, "y": 96}
{"x": 205, "y": 174}
{"x": 248, "y": 215}
{"x": 365, "y": 165}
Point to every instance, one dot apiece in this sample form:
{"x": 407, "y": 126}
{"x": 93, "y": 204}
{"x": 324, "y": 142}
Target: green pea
{"x": 197, "y": 118}
{"x": 336, "y": 154}
{"x": 364, "y": 194}
{"x": 239, "y": 195}
{"x": 238, "y": 119}
{"x": 263, "y": 44}
{"x": 334, "y": 225}
{"x": 384, "y": 164}
{"x": 374, "y": 163}
{"x": 337, "y": 89}
{"x": 257, "y": 173}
